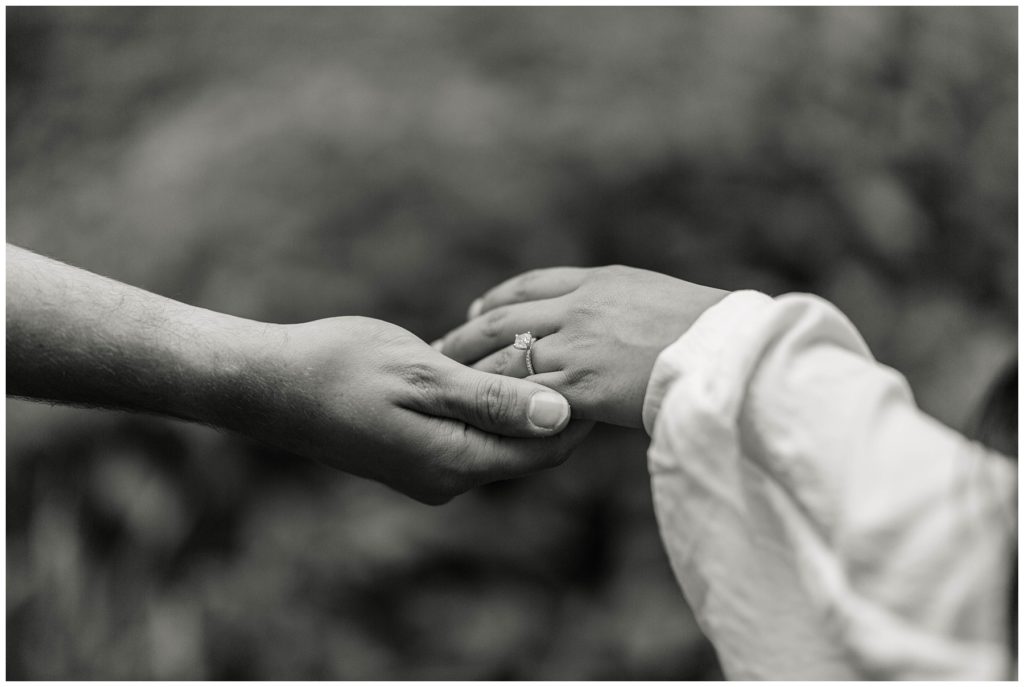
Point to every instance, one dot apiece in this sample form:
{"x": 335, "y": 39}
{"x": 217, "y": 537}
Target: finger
{"x": 504, "y": 458}
{"x": 529, "y": 286}
{"x": 500, "y": 405}
{"x": 471, "y": 457}
{"x": 511, "y": 362}
{"x": 566, "y": 383}
{"x": 496, "y": 329}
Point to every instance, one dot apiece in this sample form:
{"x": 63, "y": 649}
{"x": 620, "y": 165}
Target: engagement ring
{"x": 524, "y": 342}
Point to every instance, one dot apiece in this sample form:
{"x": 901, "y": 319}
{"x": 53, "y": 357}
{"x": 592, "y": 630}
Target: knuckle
{"x": 454, "y": 344}
{"x": 503, "y": 363}
{"x": 497, "y": 401}
{"x": 492, "y": 323}
{"x": 521, "y": 286}
{"x": 458, "y": 456}
{"x": 580, "y": 379}
{"x": 423, "y": 378}
{"x": 585, "y": 309}
{"x": 460, "y": 473}
{"x": 454, "y": 466}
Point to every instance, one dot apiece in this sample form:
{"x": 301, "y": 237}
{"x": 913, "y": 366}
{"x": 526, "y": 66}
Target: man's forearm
{"x": 355, "y": 393}
{"x": 76, "y": 337}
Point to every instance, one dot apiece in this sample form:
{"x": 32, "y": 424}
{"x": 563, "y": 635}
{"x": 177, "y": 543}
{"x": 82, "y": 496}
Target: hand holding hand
{"x": 370, "y": 398}
{"x": 599, "y": 333}
{"x": 357, "y": 394}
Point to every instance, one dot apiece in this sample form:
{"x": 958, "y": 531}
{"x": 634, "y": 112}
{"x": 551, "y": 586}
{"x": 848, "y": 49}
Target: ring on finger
{"x": 524, "y": 342}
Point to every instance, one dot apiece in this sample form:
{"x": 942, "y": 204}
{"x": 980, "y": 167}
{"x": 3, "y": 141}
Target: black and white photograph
{"x": 480, "y": 343}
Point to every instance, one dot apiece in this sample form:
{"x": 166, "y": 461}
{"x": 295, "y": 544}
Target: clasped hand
{"x": 359, "y": 394}
{"x": 370, "y": 398}
{"x": 393, "y": 409}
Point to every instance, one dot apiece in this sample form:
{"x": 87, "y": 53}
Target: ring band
{"x": 524, "y": 342}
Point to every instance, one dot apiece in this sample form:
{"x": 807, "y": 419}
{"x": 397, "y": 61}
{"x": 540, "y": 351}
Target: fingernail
{"x": 475, "y": 308}
{"x": 548, "y": 410}
{"x": 437, "y": 345}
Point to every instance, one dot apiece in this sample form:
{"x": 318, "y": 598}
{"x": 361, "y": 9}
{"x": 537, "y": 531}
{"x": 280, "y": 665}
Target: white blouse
{"x": 821, "y": 526}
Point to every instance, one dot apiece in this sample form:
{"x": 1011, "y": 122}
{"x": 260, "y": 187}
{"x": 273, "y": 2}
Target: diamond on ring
{"x": 524, "y": 341}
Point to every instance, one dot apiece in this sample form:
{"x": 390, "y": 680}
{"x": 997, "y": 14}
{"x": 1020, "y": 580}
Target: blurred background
{"x": 291, "y": 164}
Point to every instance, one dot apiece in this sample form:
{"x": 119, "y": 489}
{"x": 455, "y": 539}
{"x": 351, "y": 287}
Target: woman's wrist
{"x": 719, "y": 325}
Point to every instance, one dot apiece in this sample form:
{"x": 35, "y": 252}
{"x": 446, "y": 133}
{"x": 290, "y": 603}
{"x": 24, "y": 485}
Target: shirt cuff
{"x": 701, "y": 342}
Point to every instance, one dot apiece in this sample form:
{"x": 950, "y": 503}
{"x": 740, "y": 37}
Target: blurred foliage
{"x": 289, "y": 164}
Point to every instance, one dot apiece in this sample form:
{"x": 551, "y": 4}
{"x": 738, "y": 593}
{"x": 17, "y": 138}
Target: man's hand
{"x": 600, "y": 331}
{"x": 370, "y": 398}
{"x": 357, "y": 394}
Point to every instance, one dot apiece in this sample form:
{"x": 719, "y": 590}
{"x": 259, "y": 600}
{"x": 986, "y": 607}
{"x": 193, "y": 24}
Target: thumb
{"x": 501, "y": 405}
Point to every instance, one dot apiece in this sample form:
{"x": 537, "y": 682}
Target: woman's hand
{"x": 370, "y": 398}
{"x": 599, "y": 333}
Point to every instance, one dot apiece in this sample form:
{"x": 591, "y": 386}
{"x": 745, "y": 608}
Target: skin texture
{"x": 354, "y": 393}
{"x": 600, "y": 331}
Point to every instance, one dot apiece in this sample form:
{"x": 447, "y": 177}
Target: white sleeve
{"x": 820, "y": 525}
